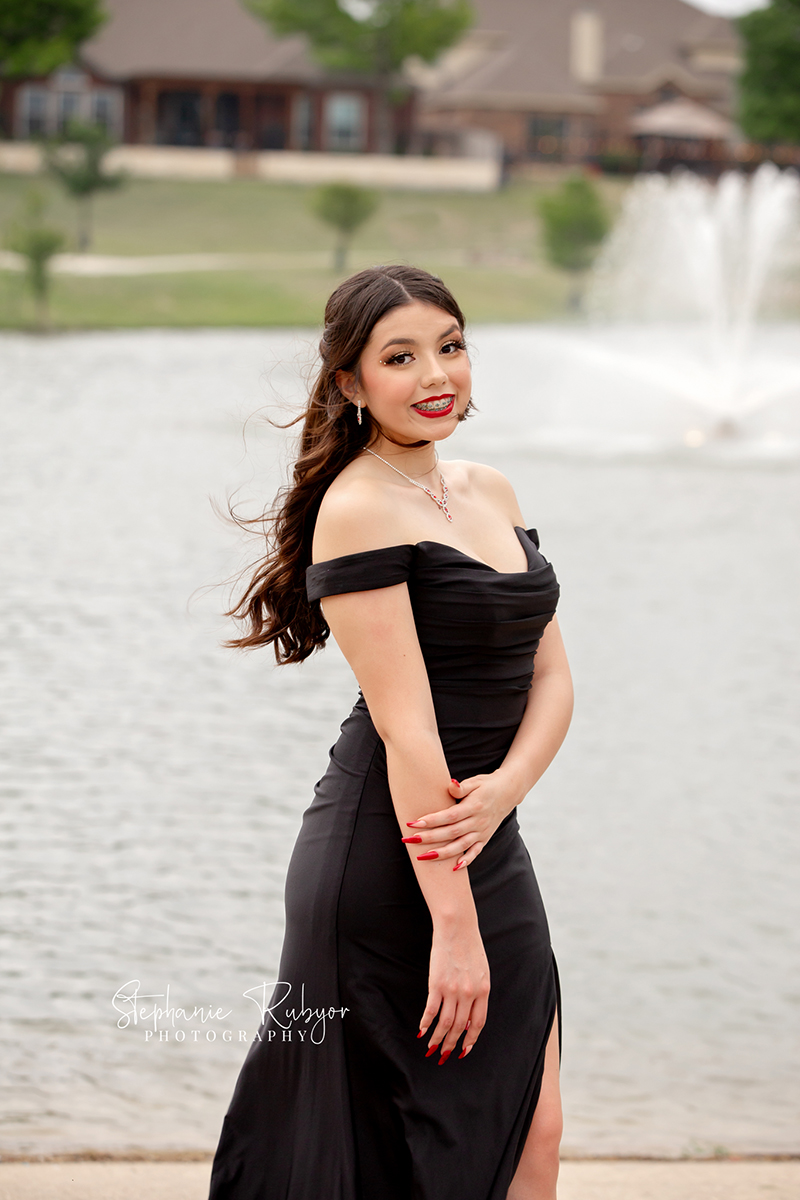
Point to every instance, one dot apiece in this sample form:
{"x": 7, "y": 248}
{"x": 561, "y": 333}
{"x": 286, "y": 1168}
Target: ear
{"x": 345, "y": 381}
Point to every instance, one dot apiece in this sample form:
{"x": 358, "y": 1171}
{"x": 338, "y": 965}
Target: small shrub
{"x": 345, "y": 206}
{"x": 76, "y": 161}
{"x": 574, "y": 221}
{"x": 37, "y": 243}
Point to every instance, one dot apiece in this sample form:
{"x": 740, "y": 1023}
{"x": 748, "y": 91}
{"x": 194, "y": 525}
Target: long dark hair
{"x": 273, "y": 607}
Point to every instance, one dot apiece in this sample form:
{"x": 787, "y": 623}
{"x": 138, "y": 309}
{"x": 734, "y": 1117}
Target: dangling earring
{"x": 358, "y": 418}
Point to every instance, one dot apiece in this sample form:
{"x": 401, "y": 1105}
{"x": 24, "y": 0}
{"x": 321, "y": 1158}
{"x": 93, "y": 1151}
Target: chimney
{"x": 586, "y": 46}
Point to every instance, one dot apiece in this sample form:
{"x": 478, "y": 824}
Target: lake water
{"x": 153, "y": 783}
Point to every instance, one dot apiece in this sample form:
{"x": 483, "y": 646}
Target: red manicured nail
{"x": 411, "y": 824}
{"x": 455, "y": 781}
{"x": 421, "y": 1033}
{"x": 461, "y": 1055}
{"x": 444, "y": 1058}
{"x": 411, "y": 839}
{"x": 460, "y": 863}
{"x": 430, "y": 854}
{"x": 432, "y": 1050}
{"x": 466, "y": 1027}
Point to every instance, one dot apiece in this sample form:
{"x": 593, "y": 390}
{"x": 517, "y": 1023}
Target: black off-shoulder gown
{"x": 349, "y": 1107}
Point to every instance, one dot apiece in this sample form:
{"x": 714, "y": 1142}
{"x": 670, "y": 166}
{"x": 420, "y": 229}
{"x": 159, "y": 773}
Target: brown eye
{"x": 452, "y": 347}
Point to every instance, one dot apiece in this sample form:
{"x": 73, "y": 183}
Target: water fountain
{"x": 700, "y": 258}
{"x": 683, "y": 346}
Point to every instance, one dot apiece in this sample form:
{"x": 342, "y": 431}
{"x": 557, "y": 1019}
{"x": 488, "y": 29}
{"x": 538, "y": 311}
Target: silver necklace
{"x": 442, "y": 504}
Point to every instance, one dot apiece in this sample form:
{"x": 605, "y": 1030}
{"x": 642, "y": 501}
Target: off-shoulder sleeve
{"x": 359, "y": 572}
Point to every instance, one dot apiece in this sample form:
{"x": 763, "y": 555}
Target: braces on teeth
{"x": 434, "y": 405}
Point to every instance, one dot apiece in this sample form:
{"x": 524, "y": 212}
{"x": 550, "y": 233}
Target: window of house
{"x": 272, "y": 120}
{"x": 546, "y": 137}
{"x": 226, "y": 118}
{"x": 68, "y": 108}
{"x": 31, "y": 112}
{"x": 103, "y": 110}
{"x": 178, "y": 117}
{"x": 344, "y": 121}
{"x": 107, "y": 108}
{"x": 42, "y": 111}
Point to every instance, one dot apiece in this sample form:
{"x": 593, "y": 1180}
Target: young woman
{"x": 410, "y": 1050}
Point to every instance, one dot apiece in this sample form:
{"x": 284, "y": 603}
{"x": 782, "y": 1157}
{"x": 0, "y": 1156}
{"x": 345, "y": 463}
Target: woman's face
{"x": 415, "y": 376}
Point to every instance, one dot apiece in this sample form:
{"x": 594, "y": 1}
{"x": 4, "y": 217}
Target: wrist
{"x": 513, "y": 787}
{"x": 455, "y": 922}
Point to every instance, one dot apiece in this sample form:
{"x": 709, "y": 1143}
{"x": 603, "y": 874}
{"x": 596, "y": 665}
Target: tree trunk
{"x": 575, "y": 296}
{"x": 340, "y": 254}
{"x": 84, "y": 223}
{"x": 40, "y": 287}
{"x": 42, "y": 314}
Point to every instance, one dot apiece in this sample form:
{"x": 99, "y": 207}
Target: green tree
{"x": 769, "y": 87}
{"x": 344, "y": 206}
{"x": 36, "y": 36}
{"x": 76, "y": 161}
{"x": 371, "y": 36}
{"x": 574, "y": 223}
{"x": 37, "y": 243}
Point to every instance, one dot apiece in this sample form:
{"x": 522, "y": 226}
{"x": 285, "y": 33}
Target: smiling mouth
{"x": 437, "y": 407}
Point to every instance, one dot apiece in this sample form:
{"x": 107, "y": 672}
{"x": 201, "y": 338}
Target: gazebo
{"x": 682, "y": 131}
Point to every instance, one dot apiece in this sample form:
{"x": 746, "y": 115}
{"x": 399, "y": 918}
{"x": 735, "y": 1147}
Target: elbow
{"x": 406, "y": 737}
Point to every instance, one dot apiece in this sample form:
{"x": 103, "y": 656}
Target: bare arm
{"x": 376, "y": 633}
{"x": 547, "y": 717}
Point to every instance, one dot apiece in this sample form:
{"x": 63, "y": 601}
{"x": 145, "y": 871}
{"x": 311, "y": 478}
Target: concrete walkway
{"x": 98, "y": 265}
{"x": 580, "y": 1180}
{"x": 102, "y": 265}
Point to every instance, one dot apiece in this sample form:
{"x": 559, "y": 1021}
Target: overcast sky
{"x": 729, "y": 8}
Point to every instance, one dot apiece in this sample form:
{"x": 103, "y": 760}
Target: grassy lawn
{"x": 486, "y": 247}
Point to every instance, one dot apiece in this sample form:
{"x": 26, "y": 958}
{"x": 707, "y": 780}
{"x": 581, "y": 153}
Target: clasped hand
{"x": 462, "y": 830}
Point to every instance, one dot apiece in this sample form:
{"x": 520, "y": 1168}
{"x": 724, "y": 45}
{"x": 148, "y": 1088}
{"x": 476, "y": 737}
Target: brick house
{"x": 566, "y": 81}
{"x": 200, "y": 73}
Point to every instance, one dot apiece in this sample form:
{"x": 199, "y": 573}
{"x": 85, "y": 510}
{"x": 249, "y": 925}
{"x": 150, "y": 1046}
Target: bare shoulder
{"x": 357, "y": 514}
{"x": 492, "y": 485}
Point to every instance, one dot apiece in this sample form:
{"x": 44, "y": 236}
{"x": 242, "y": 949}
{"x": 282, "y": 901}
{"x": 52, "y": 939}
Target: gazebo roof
{"x": 682, "y": 118}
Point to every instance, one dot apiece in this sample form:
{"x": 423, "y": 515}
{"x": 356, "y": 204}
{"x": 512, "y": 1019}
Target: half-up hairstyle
{"x": 274, "y": 608}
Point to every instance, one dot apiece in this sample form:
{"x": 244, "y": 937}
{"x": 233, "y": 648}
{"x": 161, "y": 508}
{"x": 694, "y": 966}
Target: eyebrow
{"x": 409, "y": 341}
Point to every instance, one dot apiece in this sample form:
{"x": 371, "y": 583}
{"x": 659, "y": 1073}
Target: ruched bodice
{"x": 478, "y": 628}
{"x": 364, "y": 1115}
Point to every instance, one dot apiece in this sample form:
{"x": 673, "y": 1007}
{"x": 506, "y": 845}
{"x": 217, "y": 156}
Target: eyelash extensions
{"x": 457, "y": 342}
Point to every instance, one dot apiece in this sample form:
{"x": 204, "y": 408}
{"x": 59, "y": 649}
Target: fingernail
{"x": 460, "y": 863}
{"x": 461, "y": 1055}
{"x": 430, "y": 854}
{"x": 421, "y": 1033}
{"x": 455, "y": 781}
{"x": 466, "y": 1027}
{"x": 444, "y": 1058}
{"x": 413, "y": 824}
{"x": 411, "y": 839}
{"x": 432, "y": 1050}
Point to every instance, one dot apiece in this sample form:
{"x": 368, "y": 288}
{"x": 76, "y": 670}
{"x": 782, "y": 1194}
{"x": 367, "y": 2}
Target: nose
{"x": 434, "y": 372}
